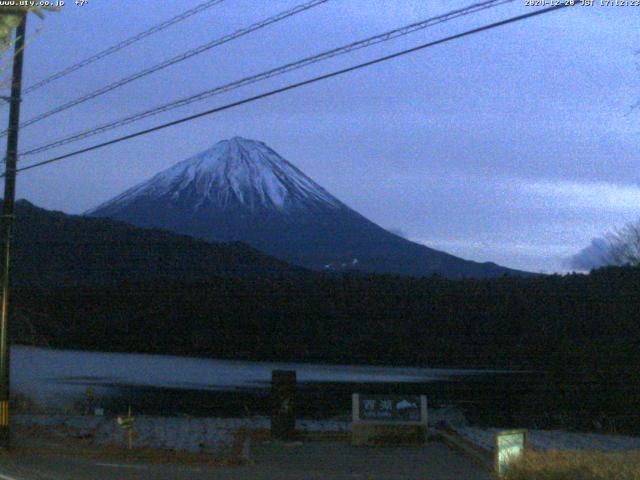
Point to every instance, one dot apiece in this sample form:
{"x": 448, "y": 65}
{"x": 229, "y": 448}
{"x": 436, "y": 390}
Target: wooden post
{"x": 283, "y": 417}
{"x": 7, "y": 226}
{"x": 130, "y": 432}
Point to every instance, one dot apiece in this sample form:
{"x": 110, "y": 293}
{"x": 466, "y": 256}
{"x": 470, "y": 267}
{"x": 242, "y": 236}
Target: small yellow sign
{"x": 127, "y": 424}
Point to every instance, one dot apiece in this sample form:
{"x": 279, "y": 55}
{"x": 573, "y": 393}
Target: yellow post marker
{"x": 126, "y": 423}
{"x": 130, "y": 430}
{"x": 4, "y": 413}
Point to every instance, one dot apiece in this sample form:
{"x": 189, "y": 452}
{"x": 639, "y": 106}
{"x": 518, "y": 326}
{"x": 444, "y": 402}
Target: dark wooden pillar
{"x": 283, "y": 393}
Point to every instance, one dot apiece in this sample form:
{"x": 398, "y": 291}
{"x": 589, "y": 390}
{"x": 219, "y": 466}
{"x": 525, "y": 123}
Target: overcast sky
{"x": 517, "y": 145}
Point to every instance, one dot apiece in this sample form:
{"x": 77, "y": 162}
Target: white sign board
{"x": 390, "y": 409}
{"x": 382, "y": 419}
{"x": 509, "y": 448}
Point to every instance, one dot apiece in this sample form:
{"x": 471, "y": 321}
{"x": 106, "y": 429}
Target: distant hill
{"x": 242, "y": 190}
{"x": 53, "y": 248}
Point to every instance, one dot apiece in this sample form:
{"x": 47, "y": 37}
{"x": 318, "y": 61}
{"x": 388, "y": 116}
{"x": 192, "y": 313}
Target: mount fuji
{"x": 243, "y": 190}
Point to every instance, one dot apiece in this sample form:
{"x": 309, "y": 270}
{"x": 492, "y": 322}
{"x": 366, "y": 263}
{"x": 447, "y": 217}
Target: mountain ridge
{"x": 53, "y": 248}
{"x": 242, "y": 190}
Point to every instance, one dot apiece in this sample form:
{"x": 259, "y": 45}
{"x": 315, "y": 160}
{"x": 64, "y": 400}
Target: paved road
{"x": 313, "y": 460}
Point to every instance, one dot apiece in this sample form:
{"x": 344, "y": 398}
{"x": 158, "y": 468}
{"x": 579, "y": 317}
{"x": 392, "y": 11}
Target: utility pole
{"x": 11, "y": 161}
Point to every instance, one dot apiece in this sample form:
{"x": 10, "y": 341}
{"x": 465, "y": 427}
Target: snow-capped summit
{"x": 242, "y": 190}
{"x": 233, "y": 173}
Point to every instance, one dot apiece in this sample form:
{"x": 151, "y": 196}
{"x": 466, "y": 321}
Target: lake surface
{"x": 159, "y": 384}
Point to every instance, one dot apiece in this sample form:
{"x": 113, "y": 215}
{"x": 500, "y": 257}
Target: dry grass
{"x": 554, "y": 465}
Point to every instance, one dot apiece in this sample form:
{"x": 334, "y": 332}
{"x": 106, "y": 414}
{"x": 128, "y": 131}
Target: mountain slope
{"x": 242, "y": 190}
{"x": 53, "y": 248}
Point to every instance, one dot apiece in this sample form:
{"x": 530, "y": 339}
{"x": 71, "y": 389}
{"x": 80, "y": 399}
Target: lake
{"x": 171, "y": 385}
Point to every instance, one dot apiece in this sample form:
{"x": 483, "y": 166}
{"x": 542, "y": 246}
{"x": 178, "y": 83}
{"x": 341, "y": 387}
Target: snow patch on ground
{"x": 192, "y": 434}
{"x": 210, "y": 434}
{"x": 552, "y": 439}
{"x": 174, "y": 433}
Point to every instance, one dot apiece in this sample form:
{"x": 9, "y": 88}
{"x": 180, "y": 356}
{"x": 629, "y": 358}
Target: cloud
{"x": 590, "y": 195}
{"x": 593, "y": 256}
{"x": 399, "y": 232}
{"x": 543, "y": 256}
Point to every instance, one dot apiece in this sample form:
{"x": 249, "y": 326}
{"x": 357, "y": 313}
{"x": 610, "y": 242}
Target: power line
{"x": 392, "y": 34}
{"x": 123, "y": 44}
{"x": 296, "y": 85}
{"x": 174, "y": 60}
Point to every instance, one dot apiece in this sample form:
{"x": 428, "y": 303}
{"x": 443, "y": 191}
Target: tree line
{"x": 582, "y": 332}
